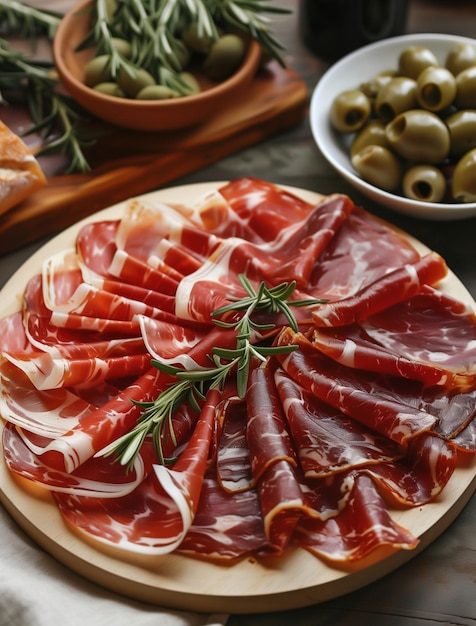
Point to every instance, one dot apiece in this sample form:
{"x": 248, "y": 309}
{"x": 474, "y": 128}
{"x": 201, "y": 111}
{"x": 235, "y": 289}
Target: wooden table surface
{"x": 438, "y": 586}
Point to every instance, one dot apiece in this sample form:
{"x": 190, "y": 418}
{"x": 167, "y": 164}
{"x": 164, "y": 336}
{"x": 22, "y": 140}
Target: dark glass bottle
{"x": 333, "y": 28}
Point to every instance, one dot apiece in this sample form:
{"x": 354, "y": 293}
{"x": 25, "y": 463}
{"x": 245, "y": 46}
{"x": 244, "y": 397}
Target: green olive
{"x": 425, "y": 183}
{"x": 466, "y": 88}
{"x": 462, "y": 127}
{"x": 400, "y": 94}
{"x": 131, "y": 84}
{"x": 436, "y": 88}
{"x": 372, "y": 133}
{"x": 372, "y": 87}
{"x": 378, "y": 166}
{"x": 419, "y": 135}
{"x": 156, "y": 92}
{"x": 192, "y": 84}
{"x": 460, "y": 57}
{"x": 98, "y": 70}
{"x": 224, "y": 57}
{"x": 414, "y": 59}
{"x": 350, "y": 110}
{"x": 463, "y": 184}
{"x": 111, "y": 7}
{"x": 198, "y": 42}
{"x": 122, "y": 46}
{"x": 110, "y": 88}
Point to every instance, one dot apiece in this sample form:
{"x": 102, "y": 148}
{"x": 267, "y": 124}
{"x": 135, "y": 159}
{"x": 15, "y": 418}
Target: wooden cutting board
{"x": 128, "y": 163}
{"x": 294, "y": 580}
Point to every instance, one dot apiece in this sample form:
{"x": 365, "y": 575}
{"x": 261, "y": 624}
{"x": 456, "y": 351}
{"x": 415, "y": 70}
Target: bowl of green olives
{"x": 131, "y": 97}
{"x": 397, "y": 119}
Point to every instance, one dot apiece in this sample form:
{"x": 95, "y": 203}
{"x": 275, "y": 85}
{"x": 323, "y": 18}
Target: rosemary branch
{"x": 51, "y": 111}
{"x": 26, "y": 21}
{"x": 192, "y": 385}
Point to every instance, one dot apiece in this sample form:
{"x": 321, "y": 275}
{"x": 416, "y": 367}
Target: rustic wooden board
{"x": 176, "y": 581}
{"x": 127, "y": 163}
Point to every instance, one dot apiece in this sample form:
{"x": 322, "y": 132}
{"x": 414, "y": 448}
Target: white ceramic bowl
{"x": 350, "y": 72}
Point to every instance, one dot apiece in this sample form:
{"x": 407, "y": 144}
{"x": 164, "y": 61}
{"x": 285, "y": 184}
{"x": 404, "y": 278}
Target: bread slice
{"x": 20, "y": 172}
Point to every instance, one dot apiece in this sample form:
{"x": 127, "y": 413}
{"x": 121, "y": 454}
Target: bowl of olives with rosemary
{"x": 156, "y": 66}
{"x": 397, "y": 119}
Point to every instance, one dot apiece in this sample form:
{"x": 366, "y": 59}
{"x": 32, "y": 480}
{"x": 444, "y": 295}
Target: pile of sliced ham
{"x": 372, "y": 413}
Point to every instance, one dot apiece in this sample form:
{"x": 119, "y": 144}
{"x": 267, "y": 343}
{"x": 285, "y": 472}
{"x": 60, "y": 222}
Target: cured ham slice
{"x": 363, "y": 250}
{"x": 233, "y": 464}
{"x": 282, "y": 504}
{"x": 291, "y": 257}
{"x": 397, "y": 408}
{"x": 226, "y": 527}
{"x": 430, "y": 461}
{"x": 424, "y": 338}
{"x": 370, "y": 408}
{"x": 267, "y": 433}
{"x": 96, "y": 478}
{"x": 361, "y": 527}
{"x": 155, "y": 518}
{"x": 353, "y": 347}
{"x": 355, "y": 396}
{"x": 431, "y": 327}
{"x": 48, "y": 413}
{"x": 264, "y": 207}
{"x": 103, "y": 425}
{"x": 398, "y": 285}
{"x": 325, "y": 439}
{"x": 49, "y": 372}
{"x": 213, "y": 213}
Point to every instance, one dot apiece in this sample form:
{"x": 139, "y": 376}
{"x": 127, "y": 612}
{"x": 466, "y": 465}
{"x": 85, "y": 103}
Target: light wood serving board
{"x": 127, "y": 163}
{"x": 296, "y": 580}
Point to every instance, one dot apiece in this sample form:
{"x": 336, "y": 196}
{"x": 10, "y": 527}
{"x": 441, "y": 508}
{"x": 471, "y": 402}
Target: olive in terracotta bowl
{"x": 142, "y": 114}
{"x": 397, "y": 119}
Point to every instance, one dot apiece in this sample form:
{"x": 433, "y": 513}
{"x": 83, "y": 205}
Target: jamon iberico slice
{"x": 372, "y": 411}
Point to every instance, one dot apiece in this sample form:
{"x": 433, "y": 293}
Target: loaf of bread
{"x": 20, "y": 172}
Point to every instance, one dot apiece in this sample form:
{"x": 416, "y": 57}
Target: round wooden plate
{"x": 296, "y": 580}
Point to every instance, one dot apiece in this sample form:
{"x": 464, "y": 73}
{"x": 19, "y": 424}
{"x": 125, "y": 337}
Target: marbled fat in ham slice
{"x": 363, "y": 250}
{"x": 326, "y": 440}
{"x": 156, "y": 516}
{"x": 353, "y": 347}
{"x": 362, "y": 526}
{"x": 356, "y": 395}
{"x": 267, "y": 433}
{"x": 226, "y": 526}
{"x": 431, "y": 327}
{"x": 98, "y": 477}
{"x": 233, "y": 464}
{"x": 394, "y": 287}
{"x": 371, "y": 411}
{"x": 264, "y": 207}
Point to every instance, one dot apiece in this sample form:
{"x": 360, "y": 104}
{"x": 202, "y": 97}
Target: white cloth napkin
{"x": 36, "y": 590}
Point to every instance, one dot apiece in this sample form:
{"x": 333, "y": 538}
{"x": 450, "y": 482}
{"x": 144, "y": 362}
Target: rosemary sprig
{"x": 192, "y": 385}
{"x": 249, "y": 17}
{"x": 49, "y": 109}
{"x": 26, "y": 21}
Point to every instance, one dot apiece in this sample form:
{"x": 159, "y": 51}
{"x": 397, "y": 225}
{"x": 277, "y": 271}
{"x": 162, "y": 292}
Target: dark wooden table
{"x": 438, "y": 586}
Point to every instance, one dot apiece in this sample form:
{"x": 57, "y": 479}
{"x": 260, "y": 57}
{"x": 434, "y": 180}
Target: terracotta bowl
{"x": 151, "y": 115}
